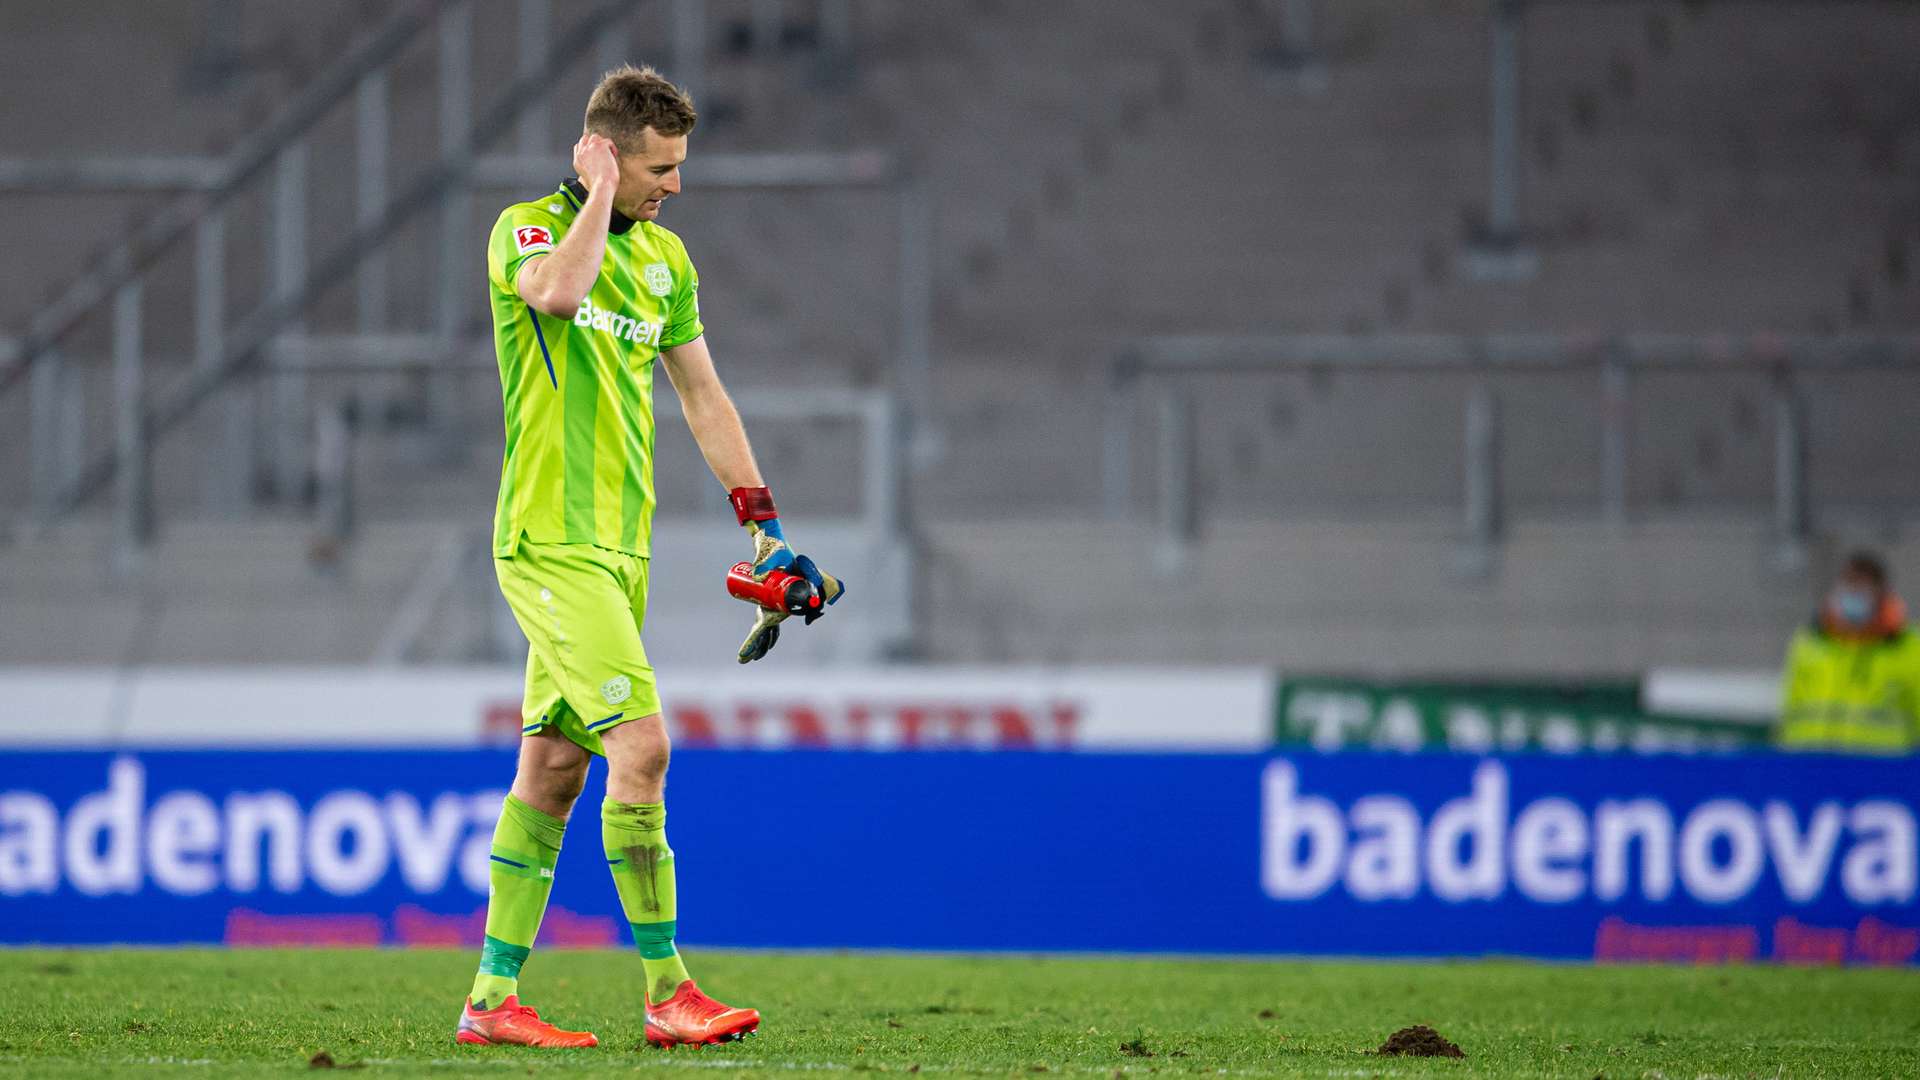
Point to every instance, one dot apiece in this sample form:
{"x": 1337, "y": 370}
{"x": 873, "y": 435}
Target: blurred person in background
{"x": 1852, "y": 679}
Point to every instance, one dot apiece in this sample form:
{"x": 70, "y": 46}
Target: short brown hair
{"x": 631, "y": 99}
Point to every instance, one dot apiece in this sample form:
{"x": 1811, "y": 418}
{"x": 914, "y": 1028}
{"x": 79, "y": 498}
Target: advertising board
{"x": 1723, "y": 858}
{"x": 906, "y": 708}
{"x": 1480, "y": 717}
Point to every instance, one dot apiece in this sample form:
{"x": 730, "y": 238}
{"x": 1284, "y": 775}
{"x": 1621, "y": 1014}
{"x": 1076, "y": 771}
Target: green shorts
{"x": 581, "y": 608}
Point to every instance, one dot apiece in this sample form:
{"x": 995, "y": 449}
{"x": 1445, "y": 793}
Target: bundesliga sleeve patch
{"x": 532, "y": 238}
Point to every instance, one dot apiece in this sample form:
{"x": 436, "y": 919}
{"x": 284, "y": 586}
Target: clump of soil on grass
{"x": 1419, "y": 1041}
{"x": 1136, "y": 1048}
{"x": 321, "y": 1060}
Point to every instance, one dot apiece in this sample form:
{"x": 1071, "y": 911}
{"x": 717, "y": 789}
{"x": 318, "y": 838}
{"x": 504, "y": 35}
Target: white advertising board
{"x": 1752, "y": 694}
{"x": 904, "y": 708}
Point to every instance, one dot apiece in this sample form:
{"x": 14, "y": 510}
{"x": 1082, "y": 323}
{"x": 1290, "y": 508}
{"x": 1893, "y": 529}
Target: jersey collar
{"x": 618, "y": 224}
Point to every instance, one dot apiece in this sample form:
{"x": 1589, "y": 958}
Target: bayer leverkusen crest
{"x": 658, "y": 278}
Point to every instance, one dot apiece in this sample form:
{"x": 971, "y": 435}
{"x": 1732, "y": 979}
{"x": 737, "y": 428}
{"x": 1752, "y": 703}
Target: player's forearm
{"x": 556, "y": 284}
{"x": 716, "y": 427}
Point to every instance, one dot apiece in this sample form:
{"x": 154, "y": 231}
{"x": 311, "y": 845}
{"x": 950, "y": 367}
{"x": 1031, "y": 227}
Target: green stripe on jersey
{"x": 578, "y": 448}
{"x": 636, "y": 396}
{"x": 513, "y": 369}
{"x": 578, "y": 462}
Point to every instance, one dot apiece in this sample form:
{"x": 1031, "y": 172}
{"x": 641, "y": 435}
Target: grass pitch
{"x": 212, "y": 1013}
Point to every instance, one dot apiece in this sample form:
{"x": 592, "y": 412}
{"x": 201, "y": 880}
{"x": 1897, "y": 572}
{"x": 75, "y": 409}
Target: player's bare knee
{"x": 651, "y": 764}
{"x": 550, "y": 788}
{"x": 637, "y": 756}
{"x": 551, "y": 773}
{"x": 568, "y": 783}
{"x": 645, "y": 757}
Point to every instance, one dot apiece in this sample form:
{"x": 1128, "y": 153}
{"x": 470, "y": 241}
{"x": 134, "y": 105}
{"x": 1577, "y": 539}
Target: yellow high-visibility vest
{"x": 1856, "y": 695}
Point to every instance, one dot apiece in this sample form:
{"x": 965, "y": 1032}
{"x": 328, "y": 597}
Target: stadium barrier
{"x": 1240, "y": 708}
{"x": 1477, "y": 717}
{"x": 905, "y": 708}
{"x": 1732, "y": 857}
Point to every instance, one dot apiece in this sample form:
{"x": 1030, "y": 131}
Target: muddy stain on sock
{"x": 645, "y": 861}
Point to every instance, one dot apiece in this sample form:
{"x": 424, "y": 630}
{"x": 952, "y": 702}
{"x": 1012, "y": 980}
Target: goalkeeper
{"x": 587, "y": 293}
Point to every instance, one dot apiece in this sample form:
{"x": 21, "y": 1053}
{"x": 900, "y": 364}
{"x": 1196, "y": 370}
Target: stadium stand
{"x": 1098, "y": 174}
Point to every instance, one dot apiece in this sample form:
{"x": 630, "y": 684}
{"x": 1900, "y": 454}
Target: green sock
{"x": 526, "y": 844}
{"x": 642, "y": 865}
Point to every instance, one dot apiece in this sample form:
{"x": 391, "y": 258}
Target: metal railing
{"x": 881, "y": 516}
{"x": 1501, "y": 251}
{"x": 1166, "y": 365}
{"x": 271, "y": 339}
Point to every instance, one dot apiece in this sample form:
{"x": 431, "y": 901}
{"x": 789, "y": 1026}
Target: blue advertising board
{"x": 1717, "y": 858}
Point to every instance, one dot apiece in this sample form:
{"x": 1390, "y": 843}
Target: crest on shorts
{"x": 532, "y": 238}
{"x": 616, "y": 689}
{"x": 658, "y": 278}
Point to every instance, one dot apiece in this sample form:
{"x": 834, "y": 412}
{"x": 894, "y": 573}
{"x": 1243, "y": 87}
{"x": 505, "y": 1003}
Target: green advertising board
{"x": 1335, "y": 713}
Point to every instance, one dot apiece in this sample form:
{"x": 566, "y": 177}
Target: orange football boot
{"x": 693, "y": 1018}
{"x": 514, "y": 1024}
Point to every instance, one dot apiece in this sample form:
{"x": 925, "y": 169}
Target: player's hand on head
{"x": 597, "y": 162}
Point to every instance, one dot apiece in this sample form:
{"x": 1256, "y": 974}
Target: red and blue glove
{"x": 755, "y": 510}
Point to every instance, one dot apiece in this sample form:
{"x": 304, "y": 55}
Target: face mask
{"x": 1855, "y": 606}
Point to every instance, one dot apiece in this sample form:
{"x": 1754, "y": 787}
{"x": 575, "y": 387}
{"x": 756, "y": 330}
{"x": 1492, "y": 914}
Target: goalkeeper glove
{"x": 753, "y": 508}
{"x": 829, "y": 587}
{"x": 766, "y": 631}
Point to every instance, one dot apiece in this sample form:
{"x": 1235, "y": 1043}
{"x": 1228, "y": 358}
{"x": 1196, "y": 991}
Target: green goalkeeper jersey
{"x": 578, "y": 393}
